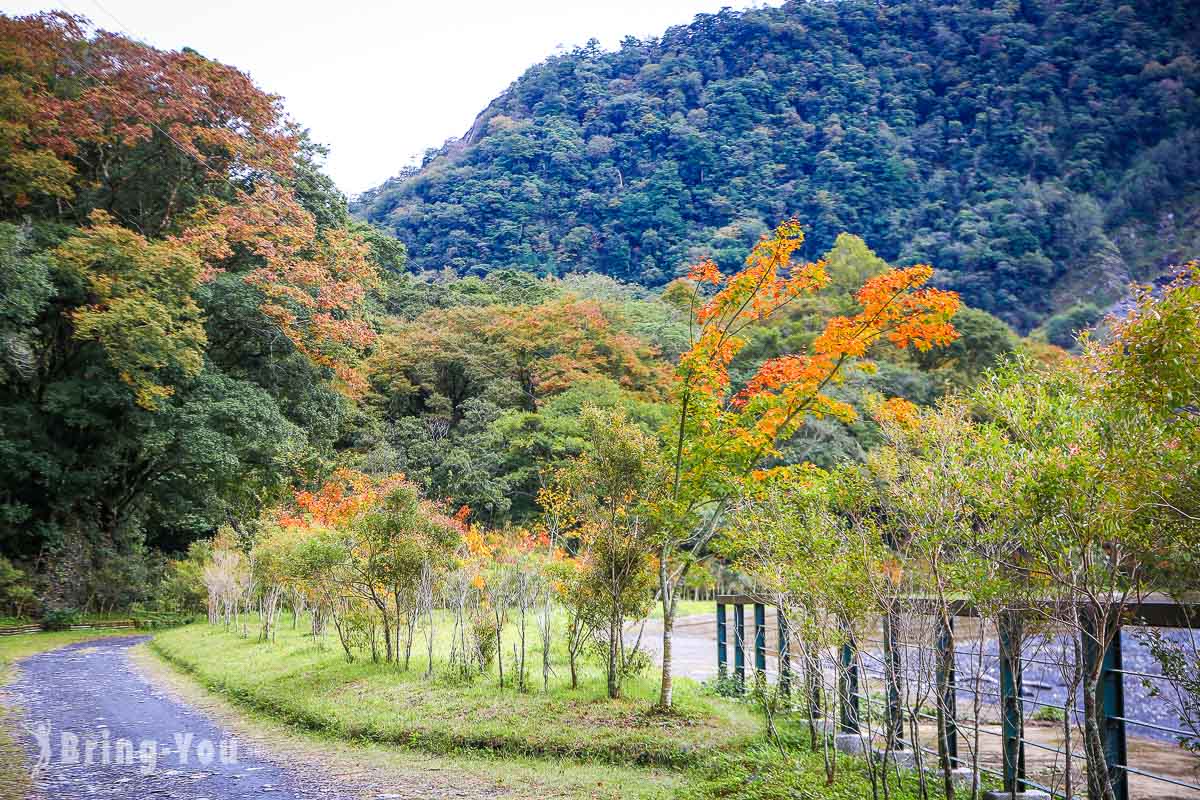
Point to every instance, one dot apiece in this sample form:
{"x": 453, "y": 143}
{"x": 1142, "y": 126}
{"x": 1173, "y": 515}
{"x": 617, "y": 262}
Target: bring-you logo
{"x": 68, "y": 748}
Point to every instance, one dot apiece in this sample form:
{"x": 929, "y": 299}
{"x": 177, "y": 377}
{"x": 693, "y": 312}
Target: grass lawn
{"x": 713, "y": 748}
{"x": 14, "y": 773}
{"x": 295, "y": 679}
{"x": 687, "y": 608}
{"x": 384, "y": 765}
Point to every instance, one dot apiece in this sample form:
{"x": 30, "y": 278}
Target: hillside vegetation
{"x": 1037, "y": 153}
{"x": 192, "y": 328}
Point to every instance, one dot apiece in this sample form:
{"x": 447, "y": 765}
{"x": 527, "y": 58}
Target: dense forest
{"x": 1040, "y": 154}
{"x": 192, "y": 326}
{"x": 184, "y": 304}
{"x": 803, "y": 303}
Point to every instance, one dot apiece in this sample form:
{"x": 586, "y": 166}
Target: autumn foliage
{"x": 82, "y": 114}
{"x": 738, "y": 429}
{"x": 74, "y": 105}
{"x": 724, "y": 437}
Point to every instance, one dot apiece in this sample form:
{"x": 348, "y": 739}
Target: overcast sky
{"x": 381, "y": 81}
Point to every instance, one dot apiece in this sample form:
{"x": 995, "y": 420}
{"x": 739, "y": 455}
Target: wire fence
{"x": 1022, "y": 690}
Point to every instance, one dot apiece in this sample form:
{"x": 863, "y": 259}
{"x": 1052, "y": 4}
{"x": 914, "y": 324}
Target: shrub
{"x": 61, "y": 620}
{"x": 1063, "y": 329}
{"x": 16, "y": 595}
{"x": 1049, "y": 714}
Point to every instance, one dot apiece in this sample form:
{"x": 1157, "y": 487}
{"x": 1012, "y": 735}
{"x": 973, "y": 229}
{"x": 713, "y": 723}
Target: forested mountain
{"x": 1036, "y": 152}
{"x": 193, "y": 327}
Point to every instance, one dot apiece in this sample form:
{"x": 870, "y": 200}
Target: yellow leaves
{"x": 897, "y": 411}
{"x": 139, "y": 307}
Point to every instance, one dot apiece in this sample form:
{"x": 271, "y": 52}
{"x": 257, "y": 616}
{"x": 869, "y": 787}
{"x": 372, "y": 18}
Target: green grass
{"x": 687, "y": 608}
{"x": 761, "y": 773}
{"x": 316, "y": 688}
{"x": 712, "y": 748}
{"x": 513, "y": 777}
{"x": 14, "y": 773}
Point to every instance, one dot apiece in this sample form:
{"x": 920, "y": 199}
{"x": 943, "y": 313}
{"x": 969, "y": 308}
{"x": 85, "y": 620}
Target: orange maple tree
{"x": 723, "y": 436}
{"x": 341, "y": 497}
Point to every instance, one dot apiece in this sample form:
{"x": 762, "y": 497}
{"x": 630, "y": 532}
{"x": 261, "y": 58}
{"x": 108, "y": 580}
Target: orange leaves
{"x": 768, "y": 282}
{"x": 705, "y": 271}
{"x": 66, "y": 92}
{"x": 739, "y": 431}
{"x": 894, "y": 307}
{"x": 313, "y": 282}
{"x": 345, "y": 494}
{"x": 775, "y": 373}
{"x": 895, "y": 310}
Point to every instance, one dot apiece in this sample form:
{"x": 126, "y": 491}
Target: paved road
{"x": 99, "y": 729}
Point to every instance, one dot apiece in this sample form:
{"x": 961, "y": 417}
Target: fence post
{"x": 1111, "y": 702}
{"x": 739, "y": 645}
{"x": 1011, "y": 708}
{"x": 722, "y": 644}
{"x": 760, "y": 642}
{"x": 946, "y": 688}
{"x": 848, "y": 687}
{"x": 785, "y": 653}
{"x": 892, "y": 658}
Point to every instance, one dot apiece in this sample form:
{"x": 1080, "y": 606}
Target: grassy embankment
{"x": 712, "y": 747}
{"x": 14, "y": 773}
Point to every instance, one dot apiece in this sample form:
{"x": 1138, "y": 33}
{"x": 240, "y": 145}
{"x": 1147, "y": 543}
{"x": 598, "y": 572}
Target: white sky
{"x": 381, "y": 81}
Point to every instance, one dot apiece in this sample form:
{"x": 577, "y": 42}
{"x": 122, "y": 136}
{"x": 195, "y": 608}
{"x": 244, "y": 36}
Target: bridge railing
{"x": 1013, "y": 702}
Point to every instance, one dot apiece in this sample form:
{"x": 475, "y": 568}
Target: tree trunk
{"x": 614, "y": 666}
{"x": 665, "y": 694}
{"x": 1099, "y": 785}
{"x": 668, "y": 590}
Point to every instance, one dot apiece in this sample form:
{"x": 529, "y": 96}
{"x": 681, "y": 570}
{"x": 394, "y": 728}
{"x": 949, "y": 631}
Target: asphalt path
{"x": 95, "y": 726}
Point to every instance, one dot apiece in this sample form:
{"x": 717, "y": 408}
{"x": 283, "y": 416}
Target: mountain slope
{"x": 1035, "y": 151}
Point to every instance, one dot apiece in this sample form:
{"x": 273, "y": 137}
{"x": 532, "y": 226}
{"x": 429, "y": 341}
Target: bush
{"x": 16, "y": 594}
{"x": 181, "y": 588}
{"x": 61, "y": 620}
{"x": 150, "y": 619}
{"x": 1063, "y": 329}
{"x": 1049, "y": 714}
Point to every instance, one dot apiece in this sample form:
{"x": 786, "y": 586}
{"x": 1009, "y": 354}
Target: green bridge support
{"x": 1111, "y": 702}
{"x": 848, "y": 690}
{"x": 722, "y": 644}
{"x": 760, "y": 642}
{"x": 739, "y": 645}
{"x": 1012, "y": 714}
{"x": 785, "y": 653}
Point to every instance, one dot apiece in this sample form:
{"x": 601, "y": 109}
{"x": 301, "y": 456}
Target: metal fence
{"x": 888, "y": 663}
